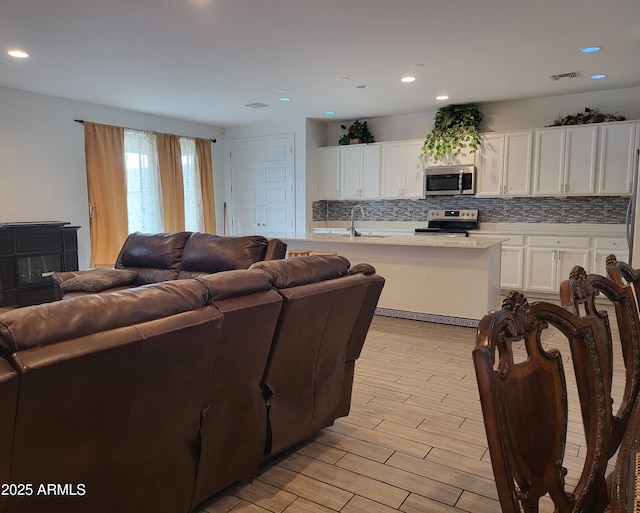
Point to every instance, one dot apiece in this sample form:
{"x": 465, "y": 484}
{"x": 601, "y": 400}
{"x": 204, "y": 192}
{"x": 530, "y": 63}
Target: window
{"x": 193, "y": 211}
{"x": 144, "y": 194}
{"x": 136, "y": 182}
{"x": 144, "y": 199}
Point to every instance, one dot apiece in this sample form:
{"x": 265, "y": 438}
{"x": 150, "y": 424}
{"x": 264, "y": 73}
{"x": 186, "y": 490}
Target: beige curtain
{"x": 203, "y": 153}
{"x": 106, "y": 179}
{"x": 170, "y": 167}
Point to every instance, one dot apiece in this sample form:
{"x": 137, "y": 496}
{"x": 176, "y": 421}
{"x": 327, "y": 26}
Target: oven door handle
{"x": 460, "y": 181}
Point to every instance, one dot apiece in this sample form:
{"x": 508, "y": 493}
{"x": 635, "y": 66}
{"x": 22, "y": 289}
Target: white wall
{"x": 42, "y": 164}
{"x": 503, "y": 116}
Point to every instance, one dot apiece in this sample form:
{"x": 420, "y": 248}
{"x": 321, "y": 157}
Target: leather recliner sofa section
{"x": 326, "y": 312}
{"x": 153, "y": 398}
{"x": 160, "y": 257}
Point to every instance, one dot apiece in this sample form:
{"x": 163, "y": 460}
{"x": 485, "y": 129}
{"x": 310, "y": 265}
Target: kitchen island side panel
{"x": 458, "y": 282}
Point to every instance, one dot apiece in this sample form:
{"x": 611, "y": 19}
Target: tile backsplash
{"x": 583, "y": 209}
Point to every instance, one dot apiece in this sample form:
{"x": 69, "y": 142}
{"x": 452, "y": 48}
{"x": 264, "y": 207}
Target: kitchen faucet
{"x": 352, "y": 230}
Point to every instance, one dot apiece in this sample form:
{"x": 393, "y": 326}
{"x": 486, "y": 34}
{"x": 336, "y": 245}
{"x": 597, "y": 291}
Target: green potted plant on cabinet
{"x": 357, "y": 133}
{"x": 456, "y": 128}
{"x": 586, "y": 117}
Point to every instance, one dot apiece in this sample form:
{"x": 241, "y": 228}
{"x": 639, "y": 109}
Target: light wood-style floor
{"x": 413, "y": 442}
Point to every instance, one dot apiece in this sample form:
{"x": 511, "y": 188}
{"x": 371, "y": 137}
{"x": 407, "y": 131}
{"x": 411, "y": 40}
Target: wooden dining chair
{"x": 525, "y": 410}
{"x": 578, "y": 294}
{"x": 623, "y": 274}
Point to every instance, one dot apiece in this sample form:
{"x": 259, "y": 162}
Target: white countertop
{"x": 497, "y": 229}
{"x": 404, "y": 240}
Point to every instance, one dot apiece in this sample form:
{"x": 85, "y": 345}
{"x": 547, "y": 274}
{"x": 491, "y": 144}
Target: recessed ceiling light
{"x": 442, "y": 97}
{"x": 408, "y": 79}
{"x": 343, "y": 78}
{"x": 598, "y": 76}
{"x": 281, "y": 91}
{"x": 417, "y": 66}
{"x": 284, "y": 99}
{"x": 330, "y": 112}
{"x": 590, "y": 49}
{"x": 18, "y": 54}
{"x": 363, "y": 86}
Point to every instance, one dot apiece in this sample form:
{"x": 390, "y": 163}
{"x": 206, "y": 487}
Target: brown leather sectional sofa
{"x": 153, "y": 398}
{"x": 169, "y": 256}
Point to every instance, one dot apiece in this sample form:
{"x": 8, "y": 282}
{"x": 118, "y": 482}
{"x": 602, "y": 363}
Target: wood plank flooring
{"x": 413, "y": 442}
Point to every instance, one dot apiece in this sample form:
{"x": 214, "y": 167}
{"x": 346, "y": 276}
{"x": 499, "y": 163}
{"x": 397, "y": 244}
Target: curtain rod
{"x": 81, "y": 121}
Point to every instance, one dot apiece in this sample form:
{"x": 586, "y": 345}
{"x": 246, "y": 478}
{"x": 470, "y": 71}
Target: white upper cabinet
{"x": 565, "y": 161}
{"x": 330, "y": 173}
{"x": 617, "y": 158}
{"x": 504, "y": 164}
{"x": 402, "y": 170}
{"x": 350, "y": 172}
{"x": 360, "y": 171}
{"x": 578, "y": 160}
{"x": 490, "y": 165}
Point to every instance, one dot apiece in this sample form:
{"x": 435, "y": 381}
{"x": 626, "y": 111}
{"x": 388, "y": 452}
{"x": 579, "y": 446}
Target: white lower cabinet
{"x": 550, "y": 260}
{"x": 512, "y": 264}
{"x": 540, "y": 263}
{"x": 602, "y": 248}
{"x": 511, "y": 260}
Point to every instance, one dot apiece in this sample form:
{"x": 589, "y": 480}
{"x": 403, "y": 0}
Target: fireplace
{"x": 30, "y": 252}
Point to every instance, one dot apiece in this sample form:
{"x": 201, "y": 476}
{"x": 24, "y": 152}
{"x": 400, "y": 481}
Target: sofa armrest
{"x": 276, "y": 250}
{"x": 366, "y": 269}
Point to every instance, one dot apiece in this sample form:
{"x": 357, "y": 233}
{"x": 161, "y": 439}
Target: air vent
{"x": 256, "y": 105}
{"x": 562, "y": 76}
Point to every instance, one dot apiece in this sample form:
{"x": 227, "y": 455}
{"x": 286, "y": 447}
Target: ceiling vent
{"x": 256, "y": 105}
{"x": 562, "y": 76}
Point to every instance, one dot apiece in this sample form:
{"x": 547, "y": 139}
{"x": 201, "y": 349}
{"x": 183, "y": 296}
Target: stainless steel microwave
{"x": 450, "y": 180}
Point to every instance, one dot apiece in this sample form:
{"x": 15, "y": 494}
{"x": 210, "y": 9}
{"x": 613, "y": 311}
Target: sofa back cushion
{"x": 237, "y": 283}
{"x": 292, "y": 272}
{"x": 206, "y": 253}
{"x": 48, "y": 323}
{"x": 156, "y": 256}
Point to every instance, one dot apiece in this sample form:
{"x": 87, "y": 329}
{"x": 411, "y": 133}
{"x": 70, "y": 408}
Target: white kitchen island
{"x": 450, "y": 280}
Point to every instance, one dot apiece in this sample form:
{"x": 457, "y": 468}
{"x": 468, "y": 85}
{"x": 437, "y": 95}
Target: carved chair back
{"x": 578, "y": 294}
{"x": 623, "y": 274}
{"x": 524, "y": 406}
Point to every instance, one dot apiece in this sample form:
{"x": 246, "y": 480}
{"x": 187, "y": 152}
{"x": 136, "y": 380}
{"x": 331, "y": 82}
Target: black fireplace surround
{"x": 30, "y": 252}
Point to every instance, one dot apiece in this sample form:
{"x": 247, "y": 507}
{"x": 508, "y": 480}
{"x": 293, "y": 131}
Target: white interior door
{"x": 262, "y": 188}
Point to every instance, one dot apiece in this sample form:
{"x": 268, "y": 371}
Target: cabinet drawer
{"x": 514, "y": 240}
{"x": 611, "y": 243}
{"x": 559, "y": 242}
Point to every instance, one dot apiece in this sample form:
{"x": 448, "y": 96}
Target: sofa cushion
{"x": 240, "y": 282}
{"x": 48, "y": 323}
{"x": 159, "y": 253}
{"x": 99, "y": 279}
{"x": 292, "y": 272}
{"x": 211, "y": 253}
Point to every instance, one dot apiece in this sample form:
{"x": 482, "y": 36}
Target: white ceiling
{"x": 204, "y": 60}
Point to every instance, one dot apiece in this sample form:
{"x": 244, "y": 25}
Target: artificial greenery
{"x": 356, "y": 130}
{"x": 456, "y": 127}
{"x": 586, "y": 117}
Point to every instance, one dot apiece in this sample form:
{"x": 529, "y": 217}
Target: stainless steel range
{"x": 450, "y": 222}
